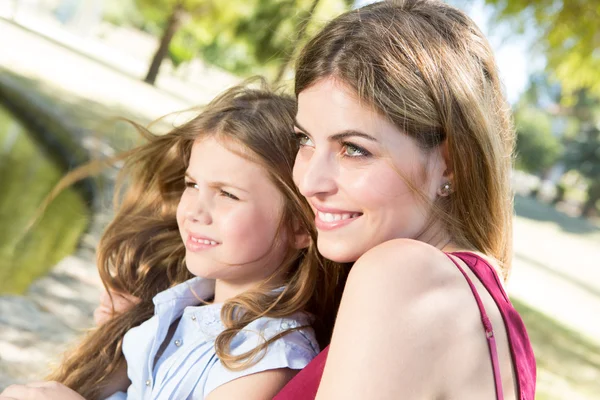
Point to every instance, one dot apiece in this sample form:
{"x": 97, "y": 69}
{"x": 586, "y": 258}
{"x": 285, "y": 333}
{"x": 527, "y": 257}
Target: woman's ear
{"x": 448, "y": 170}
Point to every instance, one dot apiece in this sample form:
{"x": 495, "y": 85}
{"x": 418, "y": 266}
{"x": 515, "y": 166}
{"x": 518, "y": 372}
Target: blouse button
{"x": 178, "y": 343}
{"x": 193, "y": 317}
{"x": 148, "y": 382}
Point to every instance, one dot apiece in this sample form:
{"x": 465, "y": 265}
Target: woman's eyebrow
{"x": 351, "y": 133}
{"x": 297, "y": 125}
{"x": 341, "y": 135}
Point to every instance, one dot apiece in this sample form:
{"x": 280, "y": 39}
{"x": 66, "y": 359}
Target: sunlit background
{"x": 69, "y": 68}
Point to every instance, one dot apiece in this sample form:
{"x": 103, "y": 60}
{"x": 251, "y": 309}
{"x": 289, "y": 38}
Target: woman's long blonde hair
{"x": 142, "y": 253}
{"x": 427, "y": 67}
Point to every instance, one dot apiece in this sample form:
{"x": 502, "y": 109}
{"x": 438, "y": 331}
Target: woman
{"x": 406, "y": 144}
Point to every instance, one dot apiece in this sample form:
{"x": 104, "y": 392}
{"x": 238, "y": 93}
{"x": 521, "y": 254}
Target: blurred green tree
{"x": 567, "y": 33}
{"x": 265, "y": 39}
{"x": 538, "y": 149}
{"x": 304, "y": 21}
{"x": 583, "y": 149}
{"x": 540, "y": 112}
{"x": 537, "y": 122}
{"x": 176, "y": 12}
{"x": 241, "y": 36}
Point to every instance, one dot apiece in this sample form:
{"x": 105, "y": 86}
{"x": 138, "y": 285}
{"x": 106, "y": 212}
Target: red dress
{"x": 305, "y": 384}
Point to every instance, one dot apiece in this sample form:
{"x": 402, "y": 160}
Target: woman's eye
{"x": 229, "y": 195}
{"x": 352, "y": 150}
{"x": 191, "y": 185}
{"x": 303, "y": 139}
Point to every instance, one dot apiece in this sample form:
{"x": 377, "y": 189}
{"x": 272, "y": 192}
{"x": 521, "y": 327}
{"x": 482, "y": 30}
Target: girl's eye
{"x": 228, "y": 195}
{"x": 303, "y": 139}
{"x": 352, "y": 150}
{"x": 191, "y": 185}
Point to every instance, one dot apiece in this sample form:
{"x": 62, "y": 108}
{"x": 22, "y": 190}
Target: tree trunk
{"x": 173, "y": 25}
{"x": 301, "y": 32}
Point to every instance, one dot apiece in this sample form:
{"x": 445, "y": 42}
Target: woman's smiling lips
{"x": 329, "y": 218}
{"x": 195, "y": 242}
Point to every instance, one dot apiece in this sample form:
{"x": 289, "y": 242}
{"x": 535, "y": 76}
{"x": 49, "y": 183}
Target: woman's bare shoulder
{"x": 408, "y": 262}
{"x": 406, "y": 308}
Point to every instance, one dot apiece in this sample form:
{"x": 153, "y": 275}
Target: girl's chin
{"x": 204, "y": 271}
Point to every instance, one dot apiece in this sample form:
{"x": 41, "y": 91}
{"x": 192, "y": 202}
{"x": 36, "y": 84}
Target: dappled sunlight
{"x": 568, "y": 365}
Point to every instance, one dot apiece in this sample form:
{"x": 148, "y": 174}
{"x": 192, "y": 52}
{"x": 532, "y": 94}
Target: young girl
{"x": 216, "y": 197}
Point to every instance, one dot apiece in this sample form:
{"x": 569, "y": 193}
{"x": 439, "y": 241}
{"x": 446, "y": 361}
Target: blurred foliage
{"x": 538, "y": 130}
{"x": 122, "y": 13}
{"x": 567, "y": 33}
{"x": 538, "y": 149}
{"x": 583, "y": 153}
{"x": 583, "y": 149}
{"x": 242, "y": 36}
{"x": 182, "y": 48}
{"x": 548, "y": 131}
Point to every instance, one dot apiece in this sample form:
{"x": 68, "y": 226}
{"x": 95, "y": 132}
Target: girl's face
{"x": 353, "y": 166}
{"x": 229, "y": 215}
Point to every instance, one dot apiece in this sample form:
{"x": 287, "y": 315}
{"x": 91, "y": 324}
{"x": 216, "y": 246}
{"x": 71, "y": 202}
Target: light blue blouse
{"x": 188, "y": 368}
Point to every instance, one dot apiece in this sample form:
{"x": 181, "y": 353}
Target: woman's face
{"x": 354, "y": 167}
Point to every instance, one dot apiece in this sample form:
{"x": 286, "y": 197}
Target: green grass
{"x": 568, "y": 364}
{"x": 27, "y": 175}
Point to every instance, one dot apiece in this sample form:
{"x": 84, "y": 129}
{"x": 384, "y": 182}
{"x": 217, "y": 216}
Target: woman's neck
{"x": 437, "y": 236}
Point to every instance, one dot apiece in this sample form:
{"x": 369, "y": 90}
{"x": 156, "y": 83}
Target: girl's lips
{"x": 197, "y": 243}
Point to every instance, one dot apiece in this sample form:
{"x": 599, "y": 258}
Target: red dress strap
{"x": 489, "y": 331}
{"x": 518, "y": 340}
{"x": 305, "y": 384}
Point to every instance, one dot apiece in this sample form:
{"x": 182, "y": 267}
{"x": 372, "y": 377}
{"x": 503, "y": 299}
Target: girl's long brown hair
{"x": 427, "y": 67}
{"x": 141, "y": 251}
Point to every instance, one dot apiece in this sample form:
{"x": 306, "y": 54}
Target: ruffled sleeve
{"x": 118, "y": 396}
{"x": 294, "y": 350}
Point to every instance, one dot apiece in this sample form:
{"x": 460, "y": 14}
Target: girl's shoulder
{"x": 294, "y": 349}
{"x": 295, "y": 330}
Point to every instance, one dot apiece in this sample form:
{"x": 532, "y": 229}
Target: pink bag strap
{"x": 489, "y": 332}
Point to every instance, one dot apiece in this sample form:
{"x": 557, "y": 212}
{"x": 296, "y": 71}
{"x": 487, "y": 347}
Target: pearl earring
{"x": 445, "y": 189}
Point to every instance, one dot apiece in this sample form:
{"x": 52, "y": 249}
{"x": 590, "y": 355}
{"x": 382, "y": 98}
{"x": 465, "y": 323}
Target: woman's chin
{"x": 338, "y": 251}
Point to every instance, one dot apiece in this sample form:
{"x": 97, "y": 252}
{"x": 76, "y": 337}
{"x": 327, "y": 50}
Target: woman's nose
{"x": 315, "y": 174}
